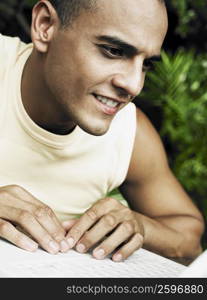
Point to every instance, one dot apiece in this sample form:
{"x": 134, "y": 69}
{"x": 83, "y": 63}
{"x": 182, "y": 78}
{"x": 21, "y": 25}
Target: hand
{"x": 37, "y": 223}
{"x": 110, "y": 224}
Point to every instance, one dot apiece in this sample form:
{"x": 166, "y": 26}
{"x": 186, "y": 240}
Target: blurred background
{"x": 175, "y": 93}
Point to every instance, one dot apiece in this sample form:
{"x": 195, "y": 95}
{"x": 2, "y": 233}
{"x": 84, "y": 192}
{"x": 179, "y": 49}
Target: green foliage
{"x": 30, "y": 2}
{"x": 191, "y": 15}
{"x": 179, "y": 86}
{"x": 13, "y": 15}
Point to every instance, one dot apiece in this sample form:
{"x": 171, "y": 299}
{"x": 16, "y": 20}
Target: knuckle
{"x": 4, "y": 194}
{"x": 43, "y": 211}
{"x": 111, "y": 201}
{"x": 128, "y": 227}
{"x": 15, "y": 188}
{"x": 5, "y": 227}
{"x": 128, "y": 212}
{"x": 92, "y": 213}
{"x": 24, "y": 216}
{"x": 76, "y": 231}
{"x": 58, "y": 236}
{"x": 109, "y": 220}
{"x": 103, "y": 200}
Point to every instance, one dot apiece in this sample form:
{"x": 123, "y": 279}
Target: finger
{"x": 99, "y": 231}
{"x": 18, "y": 197}
{"x": 90, "y": 217}
{"x": 32, "y": 226}
{"x": 44, "y": 215}
{"x": 10, "y": 233}
{"x": 136, "y": 242}
{"x": 19, "y": 193}
{"x": 81, "y": 226}
{"x": 67, "y": 225}
{"x": 123, "y": 232}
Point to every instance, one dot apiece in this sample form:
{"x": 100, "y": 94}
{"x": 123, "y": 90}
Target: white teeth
{"x": 107, "y": 101}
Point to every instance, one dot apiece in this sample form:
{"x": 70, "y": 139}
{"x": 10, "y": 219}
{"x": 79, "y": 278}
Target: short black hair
{"x": 68, "y": 10}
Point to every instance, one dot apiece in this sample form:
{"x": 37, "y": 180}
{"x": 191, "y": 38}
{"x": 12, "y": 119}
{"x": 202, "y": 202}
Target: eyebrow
{"x": 129, "y": 49}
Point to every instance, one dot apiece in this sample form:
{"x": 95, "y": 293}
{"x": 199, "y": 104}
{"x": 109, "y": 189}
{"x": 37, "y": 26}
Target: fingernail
{"x": 30, "y": 246}
{"x": 54, "y": 246}
{"x": 71, "y": 242}
{"x": 99, "y": 253}
{"x": 65, "y": 223}
{"x": 117, "y": 257}
{"x": 64, "y": 246}
{"x": 80, "y": 248}
{"x": 68, "y": 223}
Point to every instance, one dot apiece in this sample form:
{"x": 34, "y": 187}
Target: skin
{"x": 65, "y": 70}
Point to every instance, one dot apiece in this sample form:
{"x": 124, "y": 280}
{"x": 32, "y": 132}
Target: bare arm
{"x": 172, "y": 224}
{"x": 162, "y": 218}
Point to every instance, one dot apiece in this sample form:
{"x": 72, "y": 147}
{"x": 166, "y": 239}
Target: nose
{"x": 130, "y": 81}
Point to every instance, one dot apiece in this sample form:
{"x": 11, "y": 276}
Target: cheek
{"x": 142, "y": 81}
{"x": 88, "y": 74}
{"x": 59, "y": 74}
{"x": 74, "y": 72}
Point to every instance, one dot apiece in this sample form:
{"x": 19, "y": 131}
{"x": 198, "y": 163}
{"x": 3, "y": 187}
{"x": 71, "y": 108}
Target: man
{"x": 69, "y": 135}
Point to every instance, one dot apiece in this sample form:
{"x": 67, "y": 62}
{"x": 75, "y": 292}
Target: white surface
{"x": 198, "y": 268}
{"x": 15, "y": 262}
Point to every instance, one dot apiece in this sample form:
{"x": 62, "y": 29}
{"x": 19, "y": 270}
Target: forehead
{"x": 142, "y": 23}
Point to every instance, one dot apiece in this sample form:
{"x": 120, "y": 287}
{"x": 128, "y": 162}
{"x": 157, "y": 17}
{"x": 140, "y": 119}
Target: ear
{"x": 45, "y": 23}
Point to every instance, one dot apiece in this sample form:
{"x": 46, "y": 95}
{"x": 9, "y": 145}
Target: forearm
{"x": 172, "y": 236}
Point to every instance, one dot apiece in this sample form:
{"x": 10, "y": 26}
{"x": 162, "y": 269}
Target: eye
{"x": 148, "y": 65}
{"x": 112, "y": 52}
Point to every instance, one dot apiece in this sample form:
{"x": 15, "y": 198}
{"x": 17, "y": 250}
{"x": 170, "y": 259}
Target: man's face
{"x": 93, "y": 67}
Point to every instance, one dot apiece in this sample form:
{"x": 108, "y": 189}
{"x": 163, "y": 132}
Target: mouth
{"x": 109, "y": 106}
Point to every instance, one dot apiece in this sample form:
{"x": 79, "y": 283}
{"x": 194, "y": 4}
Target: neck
{"x": 39, "y": 103}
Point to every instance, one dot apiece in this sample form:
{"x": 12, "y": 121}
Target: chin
{"x": 95, "y": 130}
